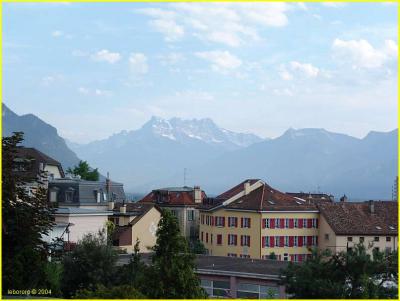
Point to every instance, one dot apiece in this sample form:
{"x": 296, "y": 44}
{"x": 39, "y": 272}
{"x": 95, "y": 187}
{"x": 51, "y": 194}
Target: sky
{"x": 92, "y": 70}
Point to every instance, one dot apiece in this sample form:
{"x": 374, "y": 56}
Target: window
{"x": 104, "y": 196}
{"x": 246, "y": 222}
{"x": 349, "y": 238}
{"x": 232, "y": 221}
{"x": 221, "y": 288}
{"x": 53, "y": 196}
{"x": 314, "y": 222}
{"x": 245, "y": 240}
{"x": 361, "y": 239}
{"x": 296, "y": 223}
{"x": 286, "y": 241}
{"x": 286, "y": 223}
{"x": 276, "y": 241}
{"x": 244, "y": 256}
{"x": 388, "y": 238}
{"x": 201, "y": 236}
{"x": 255, "y": 291}
{"x": 232, "y": 255}
{"x": 207, "y": 286}
{"x": 285, "y": 257}
{"x": 388, "y": 250}
{"x": 220, "y": 221}
{"x": 326, "y": 236}
{"x": 376, "y": 238}
{"x": 206, "y": 237}
{"x": 305, "y": 223}
{"x": 211, "y": 238}
{"x": 277, "y": 224}
{"x": 69, "y": 196}
{"x": 219, "y": 239}
{"x": 232, "y": 239}
{"x": 376, "y": 249}
{"x": 296, "y": 241}
{"x": 190, "y": 215}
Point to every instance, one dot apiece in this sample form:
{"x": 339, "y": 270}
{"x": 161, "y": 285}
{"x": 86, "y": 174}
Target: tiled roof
{"x": 176, "y": 197}
{"x": 136, "y": 209}
{"x": 313, "y": 197}
{"x": 236, "y": 189}
{"x": 266, "y": 198}
{"x": 351, "y": 218}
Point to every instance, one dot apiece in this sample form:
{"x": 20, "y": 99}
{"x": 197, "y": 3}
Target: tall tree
{"x": 354, "y": 274}
{"x": 26, "y": 218}
{"x": 84, "y": 171}
{"x": 91, "y": 263}
{"x": 172, "y": 272}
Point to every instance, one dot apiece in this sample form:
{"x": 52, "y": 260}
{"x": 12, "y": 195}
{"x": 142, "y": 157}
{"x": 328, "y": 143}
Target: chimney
{"x": 108, "y": 184}
{"x": 111, "y": 205}
{"x": 41, "y": 166}
{"x": 246, "y": 187}
{"x": 371, "y": 206}
{"x": 343, "y": 198}
{"x": 122, "y": 209}
{"x": 197, "y": 194}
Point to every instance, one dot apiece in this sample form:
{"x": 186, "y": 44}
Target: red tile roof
{"x": 351, "y": 218}
{"x": 313, "y": 197}
{"x": 236, "y": 189}
{"x": 172, "y": 198}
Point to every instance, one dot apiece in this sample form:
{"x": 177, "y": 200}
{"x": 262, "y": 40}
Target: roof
{"x": 223, "y": 265}
{"x": 80, "y": 211}
{"x": 355, "y": 218}
{"x": 263, "y": 198}
{"x": 173, "y": 196}
{"x": 313, "y": 197}
{"x": 37, "y": 157}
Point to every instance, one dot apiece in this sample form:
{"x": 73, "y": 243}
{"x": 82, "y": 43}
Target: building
{"x": 312, "y": 197}
{"x": 254, "y": 220}
{"x": 75, "y": 192}
{"x": 344, "y": 224}
{"x": 183, "y": 202}
{"x": 73, "y": 223}
{"x": 36, "y": 167}
{"x": 134, "y": 221}
{"x": 229, "y": 277}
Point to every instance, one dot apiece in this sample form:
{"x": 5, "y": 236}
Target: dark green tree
{"x": 91, "y": 263}
{"x": 197, "y": 247}
{"x": 84, "y": 171}
{"x": 272, "y": 256}
{"x": 350, "y": 275}
{"x": 172, "y": 274}
{"x": 26, "y": 218}
{"x": 114, "y": 292}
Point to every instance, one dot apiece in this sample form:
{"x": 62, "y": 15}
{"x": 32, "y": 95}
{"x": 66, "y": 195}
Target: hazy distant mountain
{"x": 40, "y": 135}
{"x": 159, "y": 149}
{"x": 310, "y": 160}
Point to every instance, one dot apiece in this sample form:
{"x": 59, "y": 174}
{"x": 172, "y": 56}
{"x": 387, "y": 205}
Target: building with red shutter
{"x": 254, "y": 220}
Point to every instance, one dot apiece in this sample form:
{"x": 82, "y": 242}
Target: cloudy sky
{"x": 95, "y": 69}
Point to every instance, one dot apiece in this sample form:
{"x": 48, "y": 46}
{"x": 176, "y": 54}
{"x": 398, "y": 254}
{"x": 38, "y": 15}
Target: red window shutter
{"x": 263, "y": 242}
{"x": 272, "y": 223}
{"x": 271, "y": 241}
{"x": 309, "y": 240}
{"x": 316, "y": 222}
{"x": 206, "y": 237}
{"x": 249, "y": 240}
{"x": 241, "y": 222}
{"x": 282, "y": 223}
{"x": 281, "y": 241}
{"x": 264, "y": 223}
{"x": 223, "y": 221}
{"x": 241, "y": 240}
{"x": 291, "y": 257}
{"x": 235, "y": 240}
{"x": 300, "y": 223}
{"x": 212, "y": 220}
{"x": 309, "y": 223}
{"x": 300, "y": 239}
{"x": 291, "y": 240}
{"x": 249, "y": 222}
{"x": 291, "y": 223}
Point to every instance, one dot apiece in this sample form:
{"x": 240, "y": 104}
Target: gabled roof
{"x": 351, "y": 218}
{"x": 134, "y": 209}
{"x": 173, "y": 196}
{"x": 266, "y": 198}
{"x": 236, "y": 189}
{"x": 313, "y": 197}
{"x": 30, "y": 153}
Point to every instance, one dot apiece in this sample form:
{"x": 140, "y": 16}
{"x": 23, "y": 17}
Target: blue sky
{"x": 92, "y": 70}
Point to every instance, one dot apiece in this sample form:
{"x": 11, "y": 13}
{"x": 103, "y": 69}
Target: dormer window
{"x": 69, "y": 195}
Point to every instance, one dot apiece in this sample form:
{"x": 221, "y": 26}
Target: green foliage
{"x": 91, "y": 263}
{"x": 172, "y": 272}
{"x": 84, "y": 171}
{"x": 197, "y": 247}
{"x": 272, "y": 256}
{"x": 53, "y": 272}
{"x": 114, "y": 292}
{"x": 350, "y": 275}
{"x": 26, "y": 217}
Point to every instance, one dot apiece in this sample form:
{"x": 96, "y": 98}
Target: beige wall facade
{"x": 337, "y": 243}
{"x": 53, "y": 170}
{"x": 258, "y": 249}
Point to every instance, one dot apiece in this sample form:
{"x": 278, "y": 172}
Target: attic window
{"x": 298, "y": 202}
{"x": 241, "y": 201}
{"x": 378, "y": 228}
{"x": 392, "y": 228}
{"x": 271, "y": 202}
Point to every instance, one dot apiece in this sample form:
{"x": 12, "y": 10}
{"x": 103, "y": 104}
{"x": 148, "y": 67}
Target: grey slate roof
{"x": 83, "y": 211}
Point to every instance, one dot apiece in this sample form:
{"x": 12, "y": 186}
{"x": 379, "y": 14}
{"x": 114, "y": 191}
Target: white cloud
{"x": 172, "y": 58}
{"x": 106, "y": 56}
{"x": 94, "y": 92}
{"x": 225, "y": 23}
{"x": 300, "y": 70}
{"x": 138, "y": 63}
{"x": 57, "y": 33}
{"x": 221, "y": 61}
{"x": 361, "y": 54}
{"x": 191, "y": 95}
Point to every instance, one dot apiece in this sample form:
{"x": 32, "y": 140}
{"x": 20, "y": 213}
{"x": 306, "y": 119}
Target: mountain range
{"x": 157, "y": 154}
